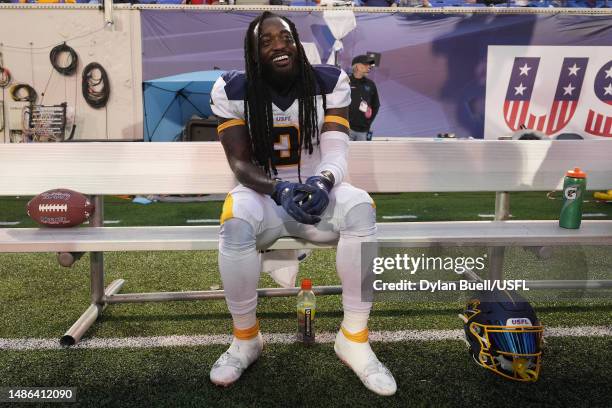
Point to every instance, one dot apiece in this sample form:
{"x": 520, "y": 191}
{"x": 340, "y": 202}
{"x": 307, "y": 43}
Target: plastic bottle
{"x": 574, "y": 186}
{"x": 306, "y": 305}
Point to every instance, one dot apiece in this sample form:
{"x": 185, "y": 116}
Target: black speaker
{"x": 201, "y": 130}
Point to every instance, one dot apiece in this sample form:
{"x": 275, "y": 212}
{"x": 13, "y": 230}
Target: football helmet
{"x": 504, "y": 334}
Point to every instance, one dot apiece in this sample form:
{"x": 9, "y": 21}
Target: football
{"x": 60, "y": 208}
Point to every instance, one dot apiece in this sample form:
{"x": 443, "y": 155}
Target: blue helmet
{"x": 504, "y": 334}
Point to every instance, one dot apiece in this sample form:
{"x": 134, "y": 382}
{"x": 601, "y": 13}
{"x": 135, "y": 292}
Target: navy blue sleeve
{"x": 336, "y": 85}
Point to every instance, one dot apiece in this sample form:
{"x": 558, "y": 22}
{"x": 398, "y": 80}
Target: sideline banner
{"x": 433, "y": 76}
{"x": 554, "y": 89}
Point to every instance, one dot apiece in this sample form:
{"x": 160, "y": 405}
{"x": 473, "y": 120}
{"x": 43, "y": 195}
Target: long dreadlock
{"x": 258, "y": 102}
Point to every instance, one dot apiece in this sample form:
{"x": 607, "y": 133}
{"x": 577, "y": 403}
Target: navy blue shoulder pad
{"x": 328, "y": 76}
{"x": 235, "y": 85}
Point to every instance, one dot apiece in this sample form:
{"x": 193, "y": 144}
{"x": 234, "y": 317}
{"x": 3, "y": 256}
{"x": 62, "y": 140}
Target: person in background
{"x": 364, "y": 98}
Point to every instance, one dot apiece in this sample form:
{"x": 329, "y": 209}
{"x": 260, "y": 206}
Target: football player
{"x": 283, "y": 125}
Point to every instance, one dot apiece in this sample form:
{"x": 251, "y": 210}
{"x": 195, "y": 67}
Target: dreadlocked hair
{"x": 258, "y": 101}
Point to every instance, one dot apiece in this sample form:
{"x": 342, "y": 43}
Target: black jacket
{"x": 362, "y": 90}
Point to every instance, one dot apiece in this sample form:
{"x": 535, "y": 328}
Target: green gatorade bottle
{"x": 574, "y": 186}
{"x": 306, "y": 305}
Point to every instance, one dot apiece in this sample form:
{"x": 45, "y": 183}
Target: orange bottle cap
{"x": 576, "y": 173}
{"x": 306, "y": 284}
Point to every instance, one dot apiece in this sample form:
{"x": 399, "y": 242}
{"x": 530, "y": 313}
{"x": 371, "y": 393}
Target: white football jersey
{"x": 227, "y": 101}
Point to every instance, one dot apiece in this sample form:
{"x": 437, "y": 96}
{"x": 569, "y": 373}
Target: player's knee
{"x": 360, "y": 220}
{"x": 236, "y": 236}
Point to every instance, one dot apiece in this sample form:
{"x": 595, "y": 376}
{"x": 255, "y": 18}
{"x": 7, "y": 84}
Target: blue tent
{"x": 171, "y": 101}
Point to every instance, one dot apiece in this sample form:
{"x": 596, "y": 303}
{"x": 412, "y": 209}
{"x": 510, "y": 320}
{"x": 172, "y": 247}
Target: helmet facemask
{"x": 513, "y": 352}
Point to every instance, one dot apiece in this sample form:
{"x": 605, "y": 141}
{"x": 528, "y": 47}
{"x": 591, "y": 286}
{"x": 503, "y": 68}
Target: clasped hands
{"x": 304, "y": 202}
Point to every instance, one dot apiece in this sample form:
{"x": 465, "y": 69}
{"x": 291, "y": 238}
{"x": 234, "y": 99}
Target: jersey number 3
{"x": 286, "y": 145}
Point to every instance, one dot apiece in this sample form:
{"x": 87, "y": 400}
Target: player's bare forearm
{"x": 237, "y": 146}
{"x": 252, "y": 177}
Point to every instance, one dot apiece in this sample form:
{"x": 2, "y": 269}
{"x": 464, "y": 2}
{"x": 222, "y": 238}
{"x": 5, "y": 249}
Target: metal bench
{"x": 115, "y": 168}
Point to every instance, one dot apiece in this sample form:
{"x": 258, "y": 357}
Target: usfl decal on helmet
{"x": 504, "y": 334}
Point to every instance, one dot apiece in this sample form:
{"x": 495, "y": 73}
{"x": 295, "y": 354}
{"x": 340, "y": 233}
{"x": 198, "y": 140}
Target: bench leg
{"x": 98, "y": 293}
{"x": 87, "y": 319}
{"x": 496, "y": 254}
{"x": 496, "y": 263}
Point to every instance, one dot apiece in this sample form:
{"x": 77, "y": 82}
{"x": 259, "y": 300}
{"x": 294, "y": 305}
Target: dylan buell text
{"x": 434, "y": 286}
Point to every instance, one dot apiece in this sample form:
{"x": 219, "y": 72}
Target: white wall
{"x": 117, "y": 48}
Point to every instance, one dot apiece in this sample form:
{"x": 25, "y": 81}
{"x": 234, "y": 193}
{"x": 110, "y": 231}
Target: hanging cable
{"x": 74, "y": 59}
{"x": 5, "y": 77}
{"x": 74, "y": 115}
{"x": 95, "y": 85}
{"x": 31, "y": 95}
{"x": 5, "y": 74}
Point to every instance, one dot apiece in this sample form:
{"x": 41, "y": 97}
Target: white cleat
{"x": 239, "y": 356}
{"x": 362, "y": 360}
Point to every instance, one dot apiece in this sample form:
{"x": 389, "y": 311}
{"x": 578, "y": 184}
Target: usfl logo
{"x": 520, "y": 89}
{"x": 597, "y": 123}
{"x": 552, "y": 89}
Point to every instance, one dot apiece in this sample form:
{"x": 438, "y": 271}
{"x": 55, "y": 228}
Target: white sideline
{"x": 400, "y": 217}
{"x": 271, "y": 338}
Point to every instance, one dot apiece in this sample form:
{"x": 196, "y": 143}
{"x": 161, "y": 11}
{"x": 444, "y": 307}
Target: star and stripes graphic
{"x": 520, "y": 89}
{"x": 599, "y": 124}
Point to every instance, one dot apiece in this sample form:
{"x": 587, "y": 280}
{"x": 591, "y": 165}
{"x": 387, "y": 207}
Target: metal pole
{"x": 320, "y": 291}
{"x": 496, "y": 254}
{"x": 96, "y": 268}
{"x": 97, "y": 258}
{"x": 502, "y": 206}
{"x": 108, "y": 12}
{"x": 213, "y": 294}
{"x": 74, "y": 333}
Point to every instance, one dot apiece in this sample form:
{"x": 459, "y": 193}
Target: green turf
{"x": 576, "y": 372}
{"x": 38, "y": 298}
{"x": 467, "y": 206}
{"x": 426, "y": 206}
